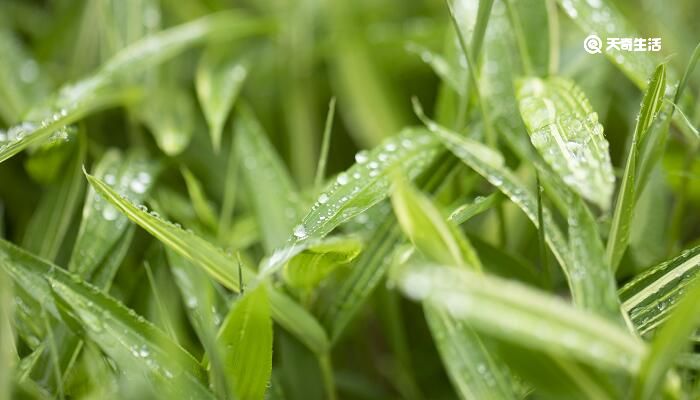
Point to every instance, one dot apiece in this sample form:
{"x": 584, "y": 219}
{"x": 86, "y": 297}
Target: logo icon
{"x": 593, "y": 44}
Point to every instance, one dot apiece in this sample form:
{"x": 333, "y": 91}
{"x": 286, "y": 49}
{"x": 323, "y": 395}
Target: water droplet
{"x": 361, "y": 157}
{"x": 323, "y": 198}
{"x": 137, "y": 186}
{"x": 300, "y": 231}
{"x": 342, "y": 178}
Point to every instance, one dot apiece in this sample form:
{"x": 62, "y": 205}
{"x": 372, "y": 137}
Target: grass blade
{"x": 618, "y": 237}
{"x": 366, "y": 182}
{"x": 245, "y": 339}
{"x": 513, "y": 312}
{"x": 219, "y": 80}
{"x": 308, "y": 268}
{"x": 565, "y": 130}
{"x": 668, "y": 343}
{"x": 651, "y": 296}
{"x": 133, "y": 343}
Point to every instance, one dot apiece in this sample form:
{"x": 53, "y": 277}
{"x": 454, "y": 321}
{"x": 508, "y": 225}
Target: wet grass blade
{"x": 245, "y": 340}
{"x": 565, "y": 131}
{"x": 651, "y": 296}
{"x": 217, "y": 264}
{"x": 132, "y": 342}
{"x": 618, "y": 238}
{"x": 218, "y": 81}
{"x": 308, "y": 268}
{"x": 8, "y": 353}
{"x": 530, "y": 318}
{"x": 668, "y": 343}
{"x": 367, "y": 182}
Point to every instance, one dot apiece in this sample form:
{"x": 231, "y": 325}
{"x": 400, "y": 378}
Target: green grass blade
{"x": 273, "y": 194}
{"x": 132, "y": 342}
{"x": 474, "y": 372}
{"x": 200, "y": 203}
{"x": 367, "y": 182}
{"x": 467, "y": 211}
{"x": 187, "y": 244}
{"x": 618, "y": 237}
{"x": 605, "y": 20}
{"x": 428, "y": 229}
{"x": 587, "y": 252}
{"x": 651, "y": 296}
{"x": 8, "y": 353}
{"x": 565, "y": 131}
{"x": 668, "y": 343}
{"x": 513, "y": 312}
{"x": 219, "y": 80}
{"x": 245, "y": 340}
{"x": 50, "y": 222}
{"x": 169, "y": 113}
{"x": 103, "y": 227}
{"x": 584, "y": 284}
{"x": 36, "y": 131}
{"x": 217, "y": 264}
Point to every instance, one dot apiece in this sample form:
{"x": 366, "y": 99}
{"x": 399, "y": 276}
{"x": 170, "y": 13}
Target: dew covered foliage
{"x": 299, "y": 200}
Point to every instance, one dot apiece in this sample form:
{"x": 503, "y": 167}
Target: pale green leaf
{"x": 308, "y": 268}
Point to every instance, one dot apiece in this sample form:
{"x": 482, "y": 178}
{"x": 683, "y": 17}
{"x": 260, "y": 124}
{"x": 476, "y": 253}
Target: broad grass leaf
{"x": 245, "y": 339}
{"x": 131, "y": 341}
{"x": 273, "y": 195}
{"x": 218, "y": 81}
{"x": 50, "y": 223}
{"x": 652, "y": 295}
{"x": 467, "y": 211}
{"x": 367, "y": 182}
{"x": 605, "y": 20}
{"x": 585, "y": 284}
{"x": 618, "y": 238}
{"x": 565, "y": 131}
{"x": 513, "y": 312}
{"x": 218, "y": 265}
